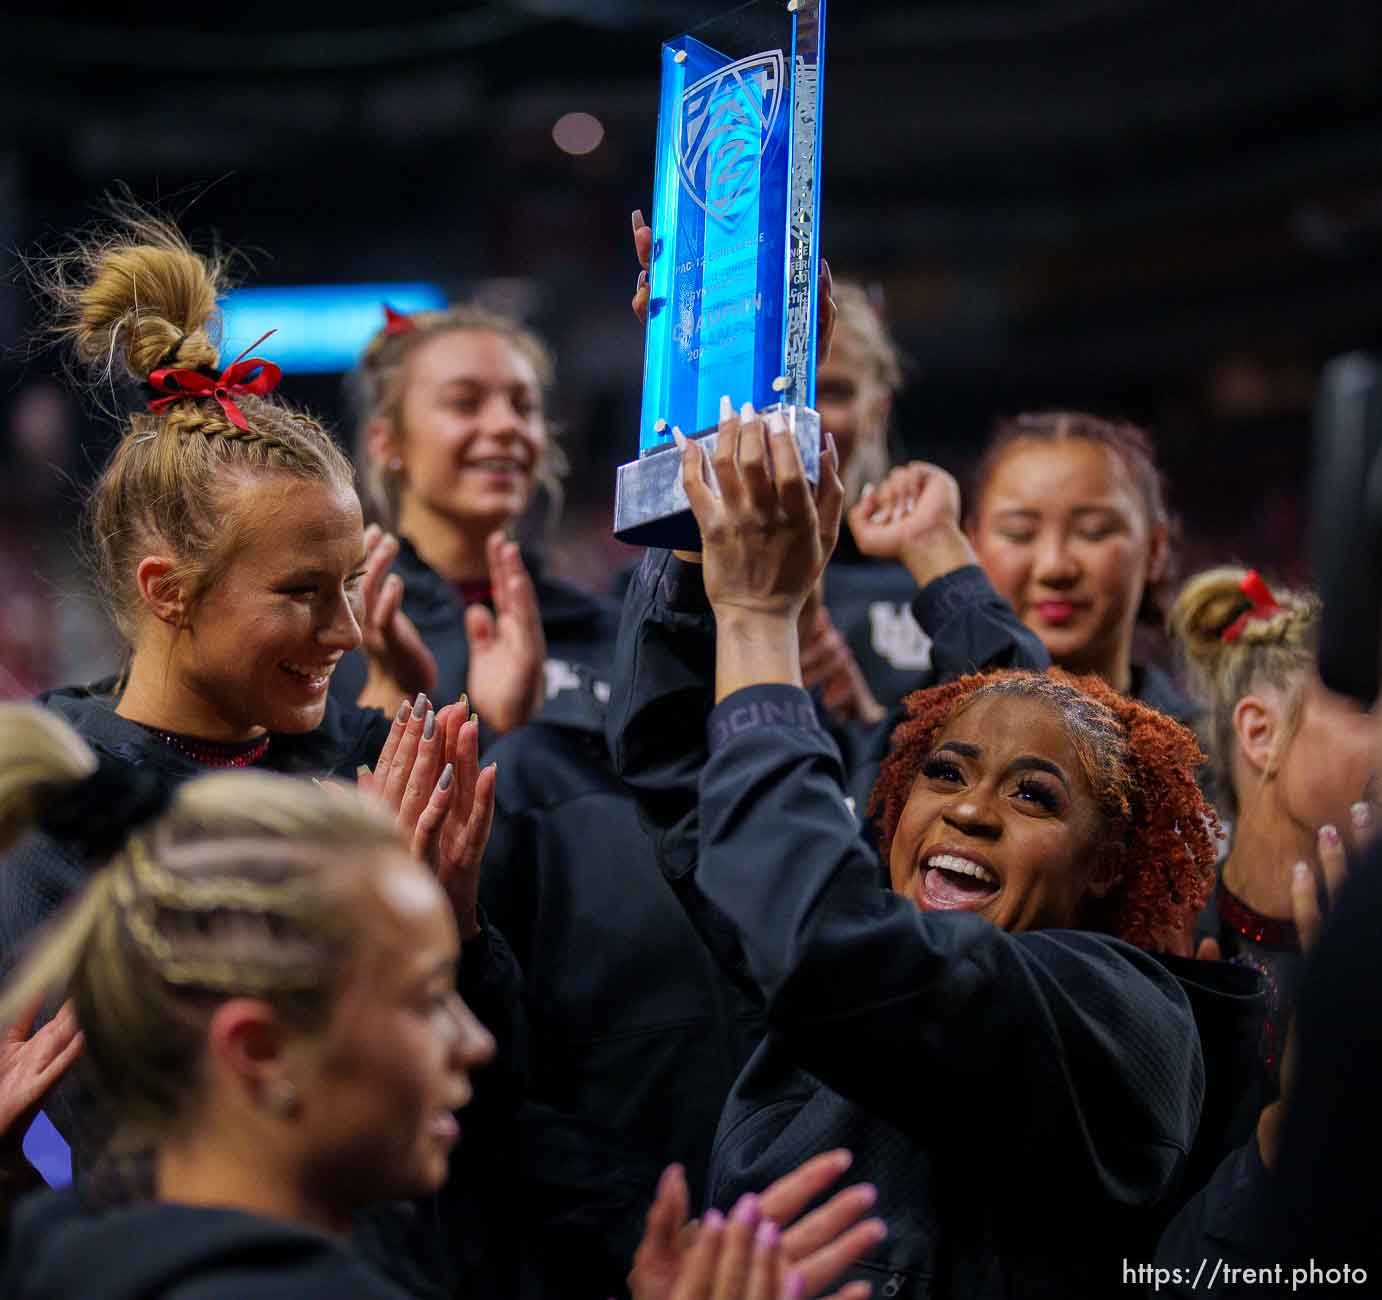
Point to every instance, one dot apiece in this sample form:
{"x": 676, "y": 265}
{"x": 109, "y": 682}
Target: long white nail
{"x": 679, "y": 438}
{"x": 746, "y": 412}
{"x": 726, "y": 408}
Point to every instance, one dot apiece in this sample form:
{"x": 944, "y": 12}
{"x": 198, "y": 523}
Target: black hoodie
{"x": 58, "y": 1249}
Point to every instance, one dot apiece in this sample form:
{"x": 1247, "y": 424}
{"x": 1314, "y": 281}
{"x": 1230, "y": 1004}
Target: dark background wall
{"x": 1163, "y": 209}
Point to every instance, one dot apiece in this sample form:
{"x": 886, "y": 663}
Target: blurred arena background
{"x": 1162, "y": 209}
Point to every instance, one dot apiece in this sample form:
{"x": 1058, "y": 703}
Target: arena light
{"x": 321, "y": 328}
{"x": 578, "y": 133}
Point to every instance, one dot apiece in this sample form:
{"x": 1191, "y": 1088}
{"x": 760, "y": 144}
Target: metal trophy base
{"x": 650, "y": 505}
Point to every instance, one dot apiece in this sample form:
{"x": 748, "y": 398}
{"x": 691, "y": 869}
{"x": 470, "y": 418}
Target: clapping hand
{"x": 429, "y": 775}
{"x": 808, "y": 1253}
{"x": 507, "y": 647}
{"x": 399, "y": 661}
{"x": 1305, "y": 906}
{"x": 31, "y": 1067}
{"x": 827, "y": 662}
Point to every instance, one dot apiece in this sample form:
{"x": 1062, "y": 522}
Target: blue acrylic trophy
{"x": 736, "y": 252}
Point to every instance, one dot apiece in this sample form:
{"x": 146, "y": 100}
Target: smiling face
{"x": 1063, "y": 534}
{"x": 1001, "y": 820}
{"x": 470, "y": 432}
{"x": 263, "y": 642}
{"x": 380, "y": 1090}
{"x": 1329, "y": 763}
{"x": 853, "y": 403}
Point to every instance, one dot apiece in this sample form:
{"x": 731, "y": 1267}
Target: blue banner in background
{"x": 322, "y": 328}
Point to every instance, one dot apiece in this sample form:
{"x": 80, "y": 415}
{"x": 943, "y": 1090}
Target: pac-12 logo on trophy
{"x": 726, "y": 123}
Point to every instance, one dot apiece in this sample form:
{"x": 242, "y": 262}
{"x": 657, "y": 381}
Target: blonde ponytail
{"x": 1271, "y": 647}
{"x": 243, "y": 886}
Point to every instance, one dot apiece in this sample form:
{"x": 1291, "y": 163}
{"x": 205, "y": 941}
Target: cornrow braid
{"x": 262, "y": 940}
{"x": 246, "y": 885}
{"x": 137, "y": 298}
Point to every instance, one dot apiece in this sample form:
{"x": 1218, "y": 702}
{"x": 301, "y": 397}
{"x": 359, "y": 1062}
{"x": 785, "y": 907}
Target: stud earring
{"x": 281, "y": 1097}
{"x": 395, "y": 464}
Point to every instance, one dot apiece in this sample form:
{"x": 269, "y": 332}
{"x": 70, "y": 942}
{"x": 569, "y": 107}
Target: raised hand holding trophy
{"x": 733, "y": 277}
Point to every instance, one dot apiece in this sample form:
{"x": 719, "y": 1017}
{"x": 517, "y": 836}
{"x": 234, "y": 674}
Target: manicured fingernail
{"x": 843, "y": 1159}
{"x": 1361, "y": 816}
{"x": 446, "y": 774}
{"x": 877, "y": 1229}
{"x": 825, "y": 269}
{"x": 1329, "y": 835}
{"x": 766, "y": 1236}
{"x": 679, "y": 438}
{"x": 639, "y": 283}
{"x": 726, "y": 408}
{"x": 776, "y": 422}
{"x": 475, "y": 718}
{"x": 868, "y": 489}
{"x": 746, "y": 412}
{"x": 404, "y": 710}
{"x": 747, "y": 1209}
{"x": 420, "y": 705}
{"x": 867, "y": 1193}
{"x": 637, "y": 218}
{"x": 831, "y": 448}
{"x": 1301, "y": 871}
{"x": 794, "y": 1286}
{"x": 362, "y": 770}
{"x": 429, "y": 726}
{"x": 713, "y": 1221}
{"x": 317, "y": 783}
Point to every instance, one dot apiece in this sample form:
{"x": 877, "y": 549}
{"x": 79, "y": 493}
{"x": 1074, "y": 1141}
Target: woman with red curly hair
{"x": 1021, "y": 1085}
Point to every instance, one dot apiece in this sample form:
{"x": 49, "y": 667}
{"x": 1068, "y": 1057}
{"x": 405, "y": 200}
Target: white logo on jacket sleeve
{"x": 559, "y": 675}
{"x": 897, "y": 637}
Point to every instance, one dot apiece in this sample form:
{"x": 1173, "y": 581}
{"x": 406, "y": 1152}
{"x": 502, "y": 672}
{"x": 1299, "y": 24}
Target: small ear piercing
{"x": 395, "y": 464}
{"x": 281, "y": 1097}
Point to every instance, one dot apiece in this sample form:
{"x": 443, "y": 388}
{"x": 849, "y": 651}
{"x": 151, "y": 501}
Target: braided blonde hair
{"x": 245, "y": 886}
{"x": 378, "y": 383}
{"x": 133, "y": 300}
{"x": 1275, "y": 648}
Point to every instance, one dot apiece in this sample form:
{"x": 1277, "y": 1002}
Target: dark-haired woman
{"x": 1069, "y": 519}
{"x": 1026, "y": 1082}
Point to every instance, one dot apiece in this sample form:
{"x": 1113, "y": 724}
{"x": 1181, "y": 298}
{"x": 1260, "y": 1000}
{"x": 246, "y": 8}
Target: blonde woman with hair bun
{"x": 1292, "y": 766}
{"x": 228, "y": 540}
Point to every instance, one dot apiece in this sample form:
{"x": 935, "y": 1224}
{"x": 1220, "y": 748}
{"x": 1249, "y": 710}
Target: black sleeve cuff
{"x": 770, "y": 705}
{"x": 951, "y": 593}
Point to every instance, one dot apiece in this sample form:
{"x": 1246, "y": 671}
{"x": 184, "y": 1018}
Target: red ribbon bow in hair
{"x": 395, "y": 322}
{"x": 1263, "y": 604}
{"x": 235, "y": 378}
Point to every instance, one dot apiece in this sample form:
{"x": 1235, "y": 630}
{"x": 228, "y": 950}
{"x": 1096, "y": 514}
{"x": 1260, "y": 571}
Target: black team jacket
{"x": 580, "y": 629}
{"x": 635, "y": 1036}
{"x": 1025, "y": 1104}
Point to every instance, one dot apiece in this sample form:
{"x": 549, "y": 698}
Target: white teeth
{"x": 317, "y": 674}
{"x": 962, "y": 866}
